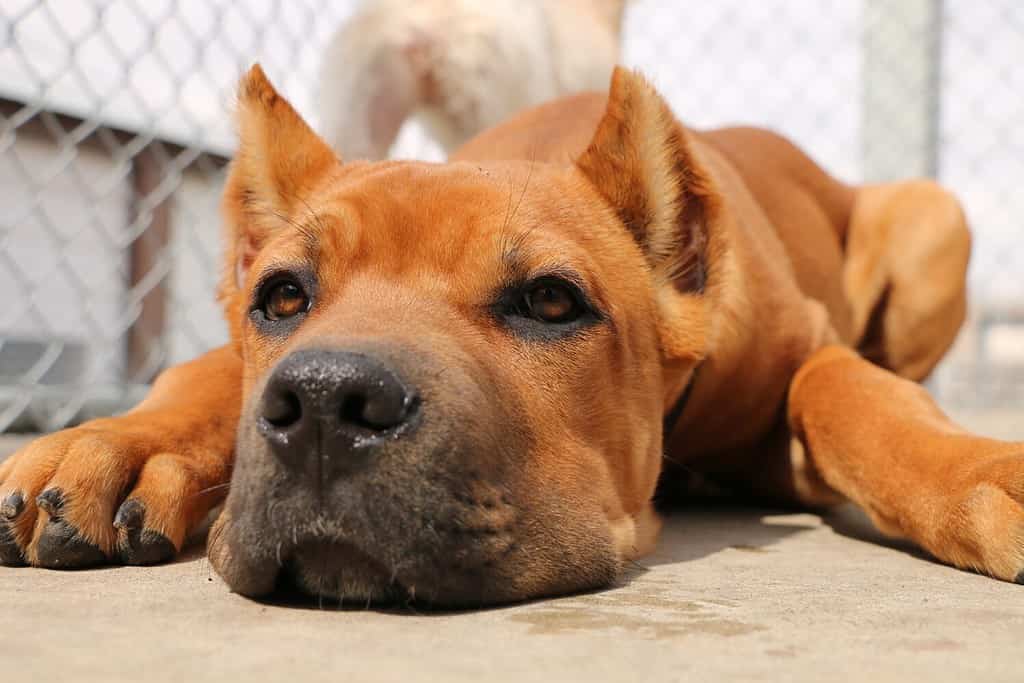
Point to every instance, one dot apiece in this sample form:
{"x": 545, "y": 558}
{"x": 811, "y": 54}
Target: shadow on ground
{"x": 693, "y": 532}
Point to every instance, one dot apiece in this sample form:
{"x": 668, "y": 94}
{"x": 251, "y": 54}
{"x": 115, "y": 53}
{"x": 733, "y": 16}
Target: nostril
{"x": 282, "y": 409}
{"x": 382, "y": 412}
{"x": 352, "y": 409}
{"x": 377, "y": 412}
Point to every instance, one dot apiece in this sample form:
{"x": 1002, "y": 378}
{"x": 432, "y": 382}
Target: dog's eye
{"x": 552, "y": 302}
{"x": 284, "y": 299}
{"x": 549, "y": 307}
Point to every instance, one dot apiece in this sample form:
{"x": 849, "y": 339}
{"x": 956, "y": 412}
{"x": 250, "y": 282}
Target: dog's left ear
{"x": 640, "y": 160}
{"x": 278, "y": 163}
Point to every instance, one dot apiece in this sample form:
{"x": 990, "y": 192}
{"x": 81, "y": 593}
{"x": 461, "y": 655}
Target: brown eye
{"x": 552, "y": 303}
{"x": 284, "y": 300}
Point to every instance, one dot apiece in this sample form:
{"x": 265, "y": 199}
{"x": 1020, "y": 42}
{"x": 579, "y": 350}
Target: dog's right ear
{"x": 278, "y": 163}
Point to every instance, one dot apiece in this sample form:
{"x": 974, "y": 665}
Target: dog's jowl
{"x": 461, "y": 383}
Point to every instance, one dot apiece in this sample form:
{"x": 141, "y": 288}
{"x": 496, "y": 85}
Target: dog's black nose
{"x": 332, "y": 402}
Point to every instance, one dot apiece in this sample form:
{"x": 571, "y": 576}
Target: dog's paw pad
{"x": 60, "y": 546}
{"x": 136, "y": 544}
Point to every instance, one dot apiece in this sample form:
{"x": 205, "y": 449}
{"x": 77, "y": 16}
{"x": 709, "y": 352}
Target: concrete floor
{"x": 730, "y": 594}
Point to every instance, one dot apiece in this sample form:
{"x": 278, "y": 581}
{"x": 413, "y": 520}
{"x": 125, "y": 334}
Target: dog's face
{"x": 454, "y": 373}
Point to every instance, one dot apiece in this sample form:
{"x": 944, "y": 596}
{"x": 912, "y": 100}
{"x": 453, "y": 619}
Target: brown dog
{"x": 449, "y": 382}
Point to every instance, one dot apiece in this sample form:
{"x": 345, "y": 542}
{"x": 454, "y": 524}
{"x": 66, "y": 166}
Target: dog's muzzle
{"x": 386, "y": 472}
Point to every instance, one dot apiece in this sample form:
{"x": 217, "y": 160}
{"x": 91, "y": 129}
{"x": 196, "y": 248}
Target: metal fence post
{"x": 147, "y": 265}
{"x": 902, "y": 80}
{"x": 902, "y": 93}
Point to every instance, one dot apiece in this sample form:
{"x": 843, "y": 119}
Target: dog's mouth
{"x": 384, "y": 554}
{"x": 339, "y": 573}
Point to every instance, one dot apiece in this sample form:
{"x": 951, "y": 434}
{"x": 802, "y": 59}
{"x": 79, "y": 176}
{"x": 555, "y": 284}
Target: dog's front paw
{"x": 982, "y": 526}
{"x": 114, "y": 490}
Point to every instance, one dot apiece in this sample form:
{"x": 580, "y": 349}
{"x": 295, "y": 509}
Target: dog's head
{"x": 455, "y": 374}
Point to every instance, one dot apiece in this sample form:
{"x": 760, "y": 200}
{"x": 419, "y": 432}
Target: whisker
{"x": 213, "y": 488}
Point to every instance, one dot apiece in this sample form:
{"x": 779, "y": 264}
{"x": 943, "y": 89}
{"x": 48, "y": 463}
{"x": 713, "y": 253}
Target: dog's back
{"x": 827, "y": 228}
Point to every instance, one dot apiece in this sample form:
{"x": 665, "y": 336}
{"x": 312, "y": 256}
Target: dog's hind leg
{"x": 881, "y": 441}
{"x": 129, "y": 488}
{"x": 905, "y": 274}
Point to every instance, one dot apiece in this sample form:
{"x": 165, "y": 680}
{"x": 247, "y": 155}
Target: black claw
{"x": 12, "y": 506}
{"x": 135, "y": 544}
{"x": 1020, "y": 577}
{"x": 10, "y": 553}
{"x": 130, "y": 515}
{"x": 61, "y": 547}
{"x": 51, "y": 500}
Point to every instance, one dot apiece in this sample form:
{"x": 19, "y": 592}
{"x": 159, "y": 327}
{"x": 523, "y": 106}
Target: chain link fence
{"x": 115, "y": 130}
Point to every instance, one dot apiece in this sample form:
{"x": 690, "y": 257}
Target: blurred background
{"x": 115, "y": 130}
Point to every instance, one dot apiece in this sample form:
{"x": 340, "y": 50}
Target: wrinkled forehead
{"x": 470, "y": 224}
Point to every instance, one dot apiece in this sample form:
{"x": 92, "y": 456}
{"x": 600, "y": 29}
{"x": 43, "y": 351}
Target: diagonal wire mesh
{"x": 115, "y": 132}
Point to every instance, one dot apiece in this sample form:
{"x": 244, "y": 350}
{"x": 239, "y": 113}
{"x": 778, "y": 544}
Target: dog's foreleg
{"x": 130, "y": 488}
{"x": 882, "y": 442}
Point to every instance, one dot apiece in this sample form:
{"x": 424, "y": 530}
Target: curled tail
{"x": 369, "y": 82}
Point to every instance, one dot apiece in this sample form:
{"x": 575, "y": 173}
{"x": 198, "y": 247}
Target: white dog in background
{"x": 460, "y": 65}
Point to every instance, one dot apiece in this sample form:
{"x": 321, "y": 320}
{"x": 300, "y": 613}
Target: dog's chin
{"x": 340, "y": 573}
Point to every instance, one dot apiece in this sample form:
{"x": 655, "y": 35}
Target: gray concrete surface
{"x": 731, "y": 594}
